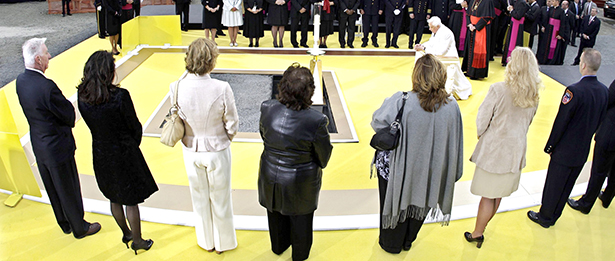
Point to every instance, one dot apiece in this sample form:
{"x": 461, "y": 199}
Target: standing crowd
{"x": 415, "y": 179}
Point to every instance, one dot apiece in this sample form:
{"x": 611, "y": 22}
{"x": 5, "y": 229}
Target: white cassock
{"x": 442, "y": 44}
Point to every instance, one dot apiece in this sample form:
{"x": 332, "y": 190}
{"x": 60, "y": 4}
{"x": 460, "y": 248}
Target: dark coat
{"x": 581, "y": 110}
{"x": 371, "y": 7}
{"x": 569, "y": 21}
{"x": 590, "y": 30}
{"x": 297, "y": 147}
{"x": 604, "y": 134}
{"x": 347, "y": 5}
{"x": 50, "y": 116}
{"x": 532, "y": 18}
{"x": 120, "y": 169}
{"x": 296, "y": 5}
{"x": 420, "y": 8}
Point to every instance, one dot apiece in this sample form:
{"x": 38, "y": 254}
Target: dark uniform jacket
{"x": 50, "y": 116}
{"x": 420, "y": 8}
{"x": 532, "y": 17}
{"x": 371, "y": 7}
{"x": 581, "y": 110}
{"x": 392, "y": 5}
{"x": 604, "y": 135}
{"x": 297, "y": 148}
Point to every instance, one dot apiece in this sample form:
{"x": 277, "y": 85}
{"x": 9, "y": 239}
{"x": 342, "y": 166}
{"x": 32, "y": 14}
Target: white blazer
{"x": 208, "y": 109}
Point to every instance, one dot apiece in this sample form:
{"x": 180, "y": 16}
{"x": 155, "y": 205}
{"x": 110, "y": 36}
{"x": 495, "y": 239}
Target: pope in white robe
{"x": 442, "y": 44}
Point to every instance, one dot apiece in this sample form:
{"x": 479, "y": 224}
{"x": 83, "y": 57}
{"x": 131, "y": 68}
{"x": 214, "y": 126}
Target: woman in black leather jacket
{"x": 297, "y": 148}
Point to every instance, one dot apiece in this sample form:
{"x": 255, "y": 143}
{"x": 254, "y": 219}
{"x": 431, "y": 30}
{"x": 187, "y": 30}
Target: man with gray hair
{"x": 51, "y": 117}
{"x": 442, "y": 44}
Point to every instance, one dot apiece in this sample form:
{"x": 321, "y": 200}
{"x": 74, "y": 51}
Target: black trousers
{"x": 64, "y": 191}
{"x": 285, "y": 231}
{"x": 558, "y": 185}
{"x": 531, "y": 43}
{"x": 370, "y": 24}
{"x": 402, "y": 236}
{"x": 393, "y": 25}
{"x": 302, "y": 19}
{"x": 347, "y": 23}
{"x": 584, "y": 44}
{"x": 602, "y": 167}
{"x": 183, "y": 10}
{"x": 67, "y": 4}
{"x": 416, "y": 27}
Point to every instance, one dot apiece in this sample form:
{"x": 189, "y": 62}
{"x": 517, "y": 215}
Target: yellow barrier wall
{"x": 15, "y": 172}
{"x": 153, "y": 30}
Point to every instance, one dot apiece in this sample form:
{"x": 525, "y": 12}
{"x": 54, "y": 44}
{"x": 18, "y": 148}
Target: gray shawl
{"x": 427, "y": 162}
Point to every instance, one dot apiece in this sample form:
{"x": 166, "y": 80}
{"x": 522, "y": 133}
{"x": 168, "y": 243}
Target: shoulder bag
{"x": 388, "y": 138}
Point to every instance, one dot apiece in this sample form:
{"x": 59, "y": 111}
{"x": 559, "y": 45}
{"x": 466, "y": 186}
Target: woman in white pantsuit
{"x": 210, "y": 116}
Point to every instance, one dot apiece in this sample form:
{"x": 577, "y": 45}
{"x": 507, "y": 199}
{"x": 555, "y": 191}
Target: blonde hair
{"x": 522, "y": 76}
{"x": 201, "y": 56}
{"x": 428, "y": 80}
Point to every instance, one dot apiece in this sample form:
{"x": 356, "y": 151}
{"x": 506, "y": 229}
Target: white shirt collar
{"x": 36, "y": 70}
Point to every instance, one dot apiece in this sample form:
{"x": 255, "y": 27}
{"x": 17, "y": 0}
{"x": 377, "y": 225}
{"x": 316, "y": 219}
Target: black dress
{"x": 277, "y": 15}
{"x": 212, "y": 20}
{"x": 253, "y": 23}
{"x": 121, "y": 171}
{"x": 113, "y": 22}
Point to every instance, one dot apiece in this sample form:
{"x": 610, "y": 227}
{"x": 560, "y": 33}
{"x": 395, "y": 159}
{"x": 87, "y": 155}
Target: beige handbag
{"x": 173, "y": 125}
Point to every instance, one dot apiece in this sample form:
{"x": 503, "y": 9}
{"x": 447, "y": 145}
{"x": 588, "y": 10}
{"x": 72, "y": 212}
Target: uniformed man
{"x": 603, "y": 163}
{"x": 419, "y": 11}
{"x": 392, "y": 16}
{"x": 582, "y": 109}
{"x": 370, "y": 13}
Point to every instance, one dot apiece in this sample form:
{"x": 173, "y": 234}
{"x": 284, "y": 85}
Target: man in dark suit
{"x": 299, "y": 14}
{"x": 567, "y": 24}
{"x": 347, "y": 21}
{"x": 370, "y": 11}
{"x": 602, "y": 165}
{"x": 589, "y": 30}
{"x": 532, "y": 17}
{"x": 51, "y": 118}
{"x": 581, "y": 110}
{"x": 576, "y": 9}
{"x": 393, "y": 16}
{"x": 182, "y": 8}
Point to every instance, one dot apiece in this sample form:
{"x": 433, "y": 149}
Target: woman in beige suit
{"x": 207, "y": 107}
{"x": 502, "y": 123}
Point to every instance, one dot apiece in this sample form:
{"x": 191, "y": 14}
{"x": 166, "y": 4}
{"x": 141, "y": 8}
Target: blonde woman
{"x": 210, "y": 117}
{"x": 502, "y": 123}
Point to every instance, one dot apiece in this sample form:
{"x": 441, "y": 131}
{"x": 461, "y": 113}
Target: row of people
{"x": 298, "y": 148}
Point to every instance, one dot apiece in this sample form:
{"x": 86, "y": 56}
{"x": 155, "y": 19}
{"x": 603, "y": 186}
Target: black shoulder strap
{"x": 401, "y": 111}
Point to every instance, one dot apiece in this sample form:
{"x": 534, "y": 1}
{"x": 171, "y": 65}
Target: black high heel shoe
{"x": 126, "y": 239}
{"x": 148, "y": 244}
{"x": 478, "y": 240}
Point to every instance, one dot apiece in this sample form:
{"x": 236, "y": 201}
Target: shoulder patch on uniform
{"x": 567, "y": 97}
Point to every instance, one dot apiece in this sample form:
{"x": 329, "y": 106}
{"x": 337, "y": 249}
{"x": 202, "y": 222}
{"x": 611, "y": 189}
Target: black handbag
{"x": 388, "y": 138}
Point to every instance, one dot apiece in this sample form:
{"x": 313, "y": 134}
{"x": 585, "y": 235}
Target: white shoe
{"x": 236, "y": 45}
{"x": 231, "y": 44}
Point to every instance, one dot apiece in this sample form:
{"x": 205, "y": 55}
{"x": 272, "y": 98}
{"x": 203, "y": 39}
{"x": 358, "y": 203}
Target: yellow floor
{"x": 29, "y": 232}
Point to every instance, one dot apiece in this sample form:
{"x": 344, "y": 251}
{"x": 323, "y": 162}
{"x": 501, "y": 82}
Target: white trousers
{"x": 209, "y": 174}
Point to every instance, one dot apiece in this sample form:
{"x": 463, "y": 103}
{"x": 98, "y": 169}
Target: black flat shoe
{"x": 126, "y": 239}
{"x": 533, "y": 216}
{"x": 256, "y": 45}
{"x": 364, "y": 45}
{"x": 250, "y": 45}
{"x": 305, "y": 46}
{"x": 275, "y": 45}
{"x": 479, "y": 240}
{"x": 395, "y": 46}
{"x": 574, "y": 204}
{"x": 146, "y": 246}
{"x": 376, "y": 45}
